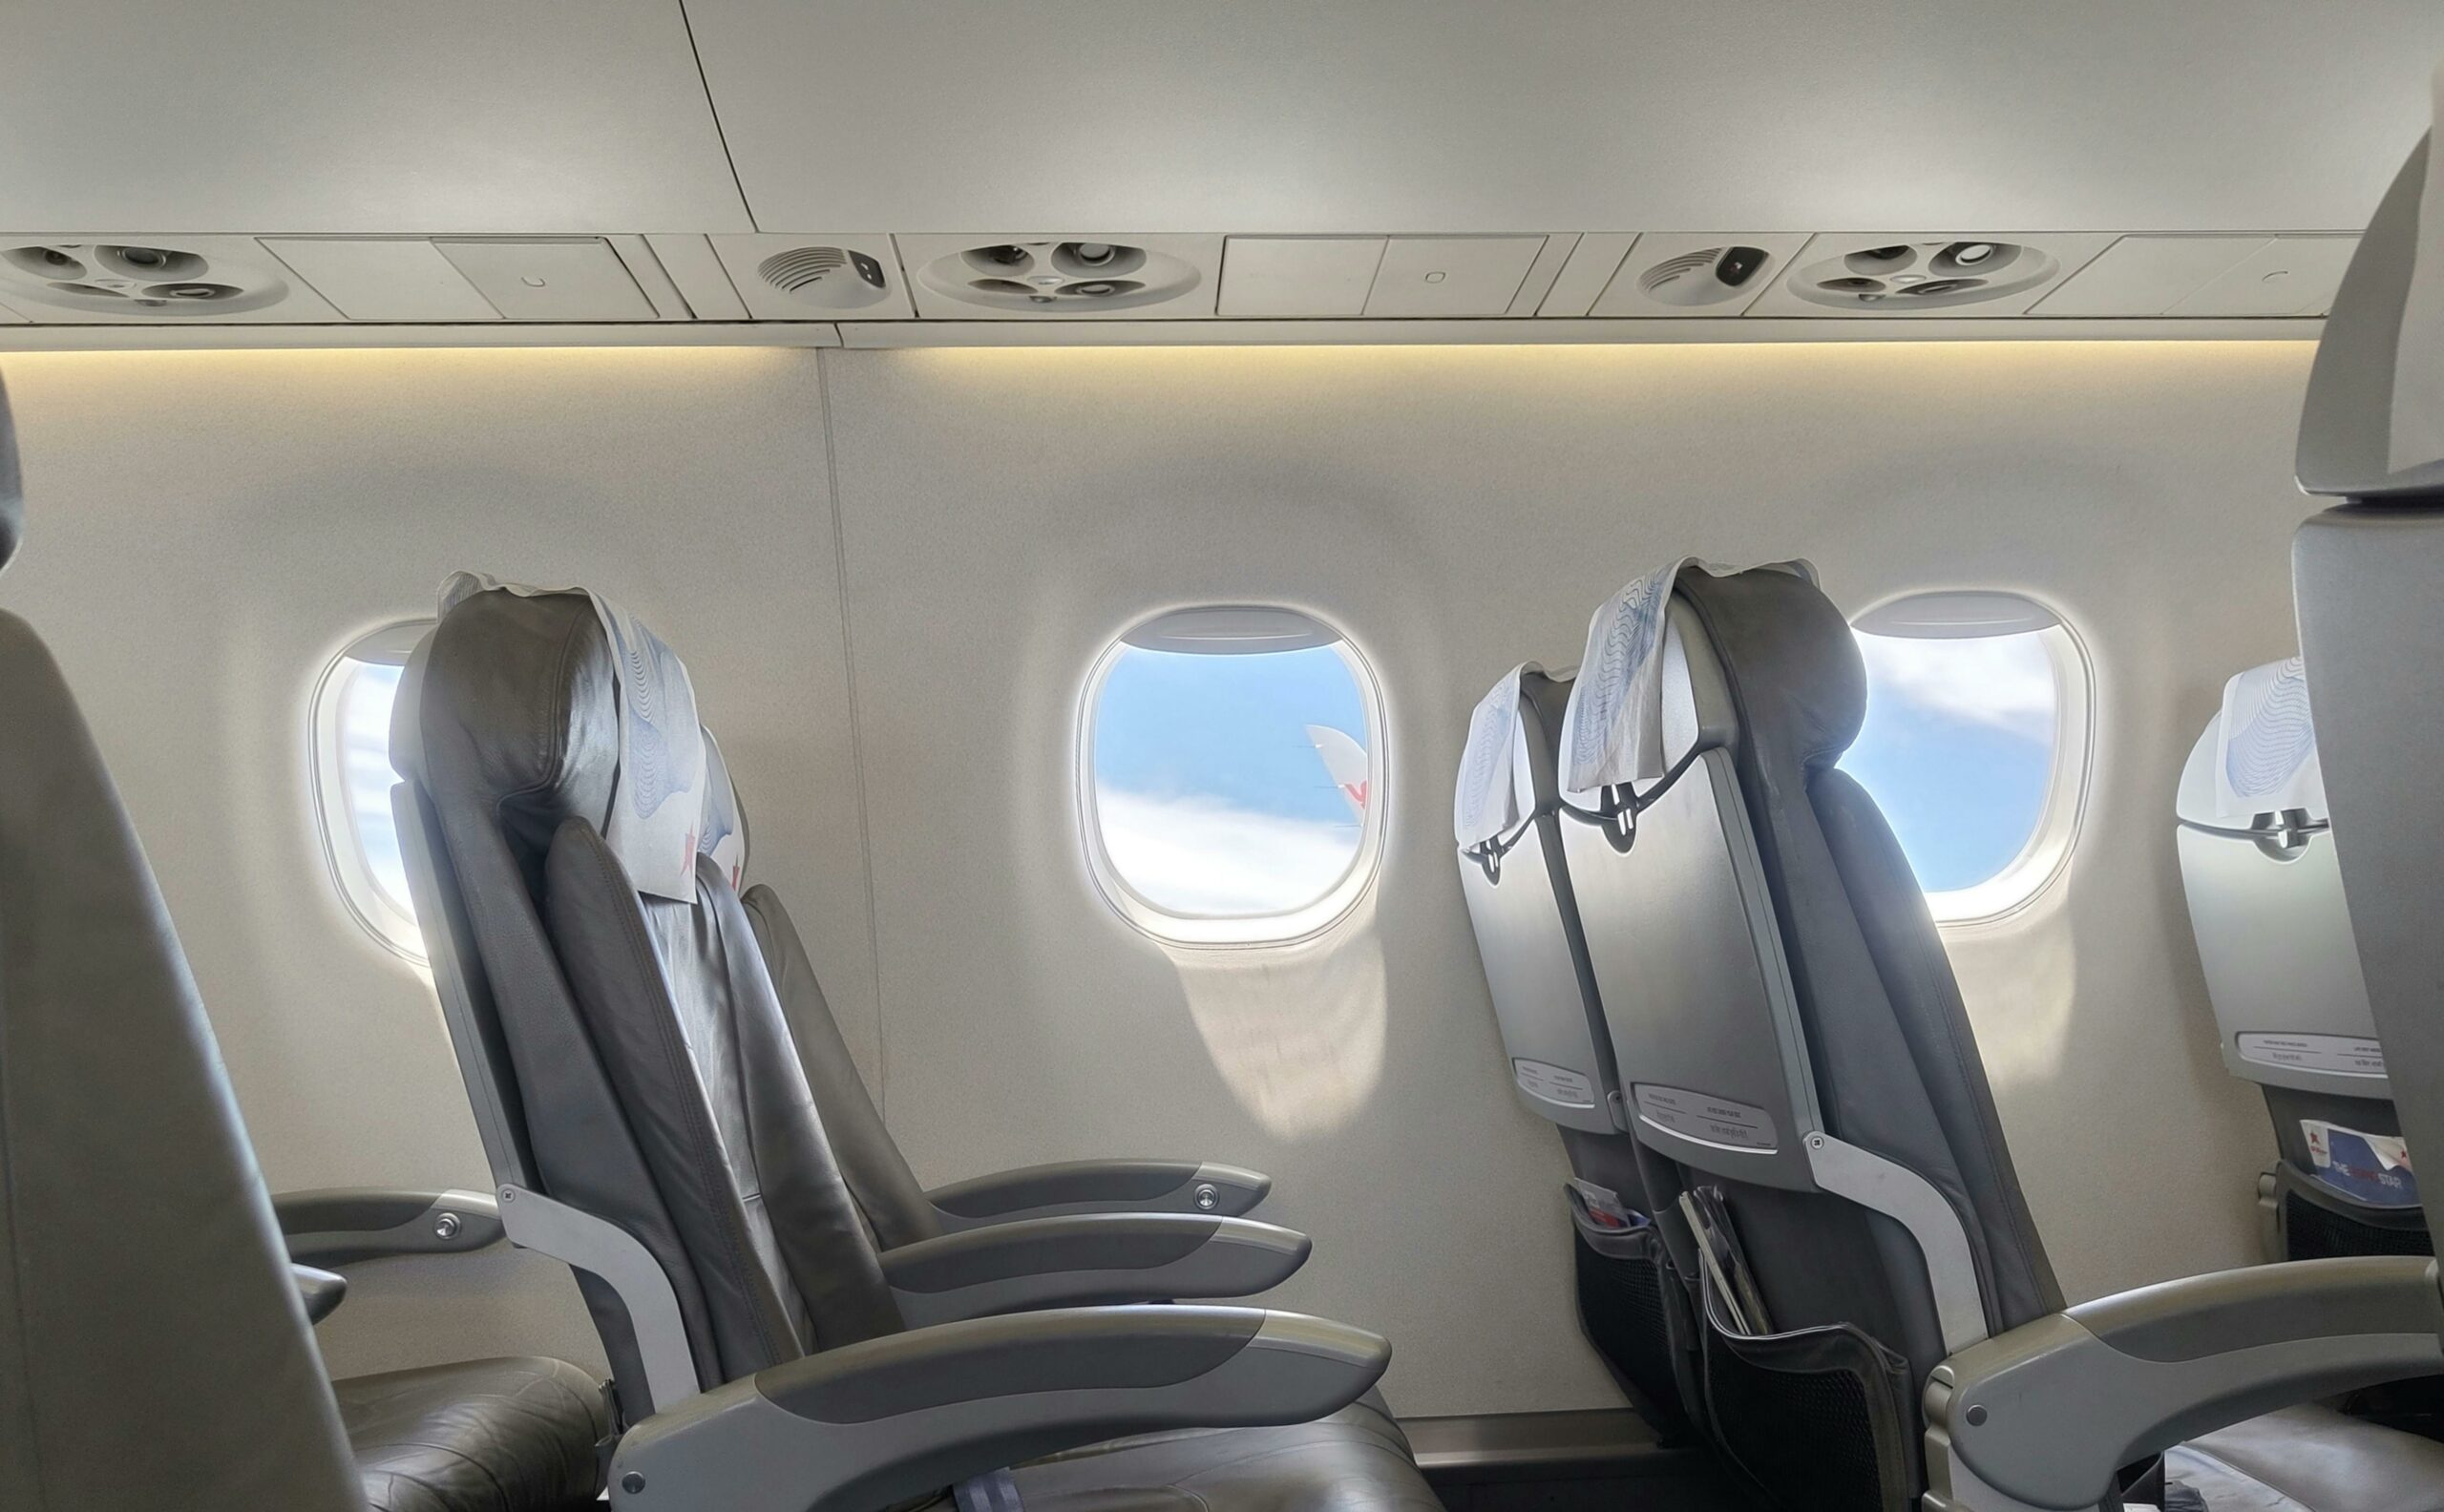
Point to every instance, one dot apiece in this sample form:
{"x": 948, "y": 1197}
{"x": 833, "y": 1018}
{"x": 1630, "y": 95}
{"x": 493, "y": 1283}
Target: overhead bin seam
{"x": 712, "y": 108}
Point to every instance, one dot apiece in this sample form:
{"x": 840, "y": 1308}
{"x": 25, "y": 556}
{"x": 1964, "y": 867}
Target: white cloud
{"x": 1202, "y": 856}
{"x": 2005, "y": 681}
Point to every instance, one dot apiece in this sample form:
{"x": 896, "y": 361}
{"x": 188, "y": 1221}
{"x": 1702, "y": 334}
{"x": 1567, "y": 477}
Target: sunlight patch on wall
{"x": 1297, "y": 1032}
{"x": 2019, "y": 980}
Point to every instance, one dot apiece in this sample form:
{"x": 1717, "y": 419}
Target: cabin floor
{"x": 1566, "y": 1461}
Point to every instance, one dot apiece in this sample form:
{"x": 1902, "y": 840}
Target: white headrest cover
{"x": 1486, "y": 802}
{"x": 2265, "y": 755}
{"x": 658, "y": 800}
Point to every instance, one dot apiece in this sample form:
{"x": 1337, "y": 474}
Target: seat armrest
{"x": 868, "y": 1424}
{"x": 1086, "y": 1187}
{"x": 2043, "y": 1416}
{"x": 335, "y": 1226}
{"x": 1085, "y": 1260}
{"x": 320, "y": 1291}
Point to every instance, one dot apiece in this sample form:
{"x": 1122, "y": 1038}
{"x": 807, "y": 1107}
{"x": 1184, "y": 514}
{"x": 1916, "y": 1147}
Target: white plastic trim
{"x": 2046, "y": 854}
{"x": 1288, "y": 928}
{"x": 1909, "y": 1200}
{"x": 393, "y": 927}
{"x": 600, "y": 1248}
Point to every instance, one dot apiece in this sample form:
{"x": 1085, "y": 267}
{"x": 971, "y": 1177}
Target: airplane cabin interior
{"x": 1383, "y": 756}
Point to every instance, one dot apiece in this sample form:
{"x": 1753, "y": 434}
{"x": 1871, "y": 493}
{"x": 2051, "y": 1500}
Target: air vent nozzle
{"x": 1897, "y": 277}
{"x": 133, "y": 281}
{"x": 828, "y": 277}
{"x": 1055, "y": 277}
{"x": 1709, "y": 276}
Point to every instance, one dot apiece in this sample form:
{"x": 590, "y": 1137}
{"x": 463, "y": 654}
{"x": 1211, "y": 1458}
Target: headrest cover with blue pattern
{"x": 1612, "y": 729}
{"x": 1485, "y": 803}
{"x": 2265, "y": 755}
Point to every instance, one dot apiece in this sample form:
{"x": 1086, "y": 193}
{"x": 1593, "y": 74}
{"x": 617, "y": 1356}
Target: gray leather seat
{"x": 649, "y": 1078}
{"x": 1841, "y": 1111}
{"x": 154, "y": 1344}
{"x": 899, "y": 1208}
{"x": 494, "y": 1435}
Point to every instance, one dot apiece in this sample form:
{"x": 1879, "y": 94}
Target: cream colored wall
{"x": 206, "y": 531}
{"x": 1005, "y": 512}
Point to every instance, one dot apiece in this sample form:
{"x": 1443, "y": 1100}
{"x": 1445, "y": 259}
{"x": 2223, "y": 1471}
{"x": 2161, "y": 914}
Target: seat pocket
{"x": 1634, "y": 1309}
{"x": 1817, "y": 1417}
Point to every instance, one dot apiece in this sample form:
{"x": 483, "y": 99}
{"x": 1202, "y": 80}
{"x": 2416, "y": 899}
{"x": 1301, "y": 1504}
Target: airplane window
{"x": 1975, "y": 745}
{"x": 353, "y": 779}
{"x": 1232, "y": 785}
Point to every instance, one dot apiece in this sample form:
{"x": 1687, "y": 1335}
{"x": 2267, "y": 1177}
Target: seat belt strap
{"x": 994, "y": 1491}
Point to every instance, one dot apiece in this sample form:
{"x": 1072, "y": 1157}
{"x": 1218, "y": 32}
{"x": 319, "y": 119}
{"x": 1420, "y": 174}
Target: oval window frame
{"x": 344, "y": 861}
{"x": 1198, "y": 628}
{"x": 1969, "y": 614}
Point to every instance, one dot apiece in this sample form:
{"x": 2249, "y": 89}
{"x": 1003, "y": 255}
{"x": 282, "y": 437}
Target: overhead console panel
{"x": 2206, "y": 276}
{"x": 171, "y": 279}
{"x": 877, "y": 288}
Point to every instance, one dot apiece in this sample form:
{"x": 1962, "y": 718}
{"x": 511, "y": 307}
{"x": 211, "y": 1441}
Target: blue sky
{"x": 1957, "y": 750}
{"x": 1211, "y": 798}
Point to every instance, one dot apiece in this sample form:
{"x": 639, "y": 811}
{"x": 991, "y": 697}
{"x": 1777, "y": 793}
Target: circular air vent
{"x": 135, "y": 282}
{"x": 1055, "y": 278}
{"x": 1901, "y": 278}
{"x": 826, "y": 277}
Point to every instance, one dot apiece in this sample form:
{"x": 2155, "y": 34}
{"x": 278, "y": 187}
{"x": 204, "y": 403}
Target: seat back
{"x": 1524, "y": 911}
{"x": 1792, "y": 1040}
{"x": 878, "y": 1176}
{"x": 1507, "y": 822}
{"x": 2259, "y": 863}
{"x": 629, "y": 1044}
{"x": 153, "y": 1350}
{"x": 2266, "y": 901}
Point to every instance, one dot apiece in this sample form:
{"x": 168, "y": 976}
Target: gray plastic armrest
{"x": 864, "y": 1425}
{"x": 1087, "y": 1259}
{"x": 338, "y": 1225}
{"x": 1086, "y": 1187}
{"x": 320, "y": 1291}
{"x": 2043, "y": 1416}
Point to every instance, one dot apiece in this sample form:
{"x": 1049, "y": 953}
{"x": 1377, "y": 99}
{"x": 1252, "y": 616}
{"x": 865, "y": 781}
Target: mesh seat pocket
{"x": 1635, "y": 1311}
{"x": 1816, "y": 1417}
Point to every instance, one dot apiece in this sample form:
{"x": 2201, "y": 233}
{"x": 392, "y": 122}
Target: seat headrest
{"x": 13, "y": 489}
{"x": 1796, "y": 668}
{"x": 545, "y": 704}
{"x": 1612, "y": 729}
{"x": 1485, "y": 805}
{"x": 722, "y": 832}
{"x": 2266, "y": 748}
